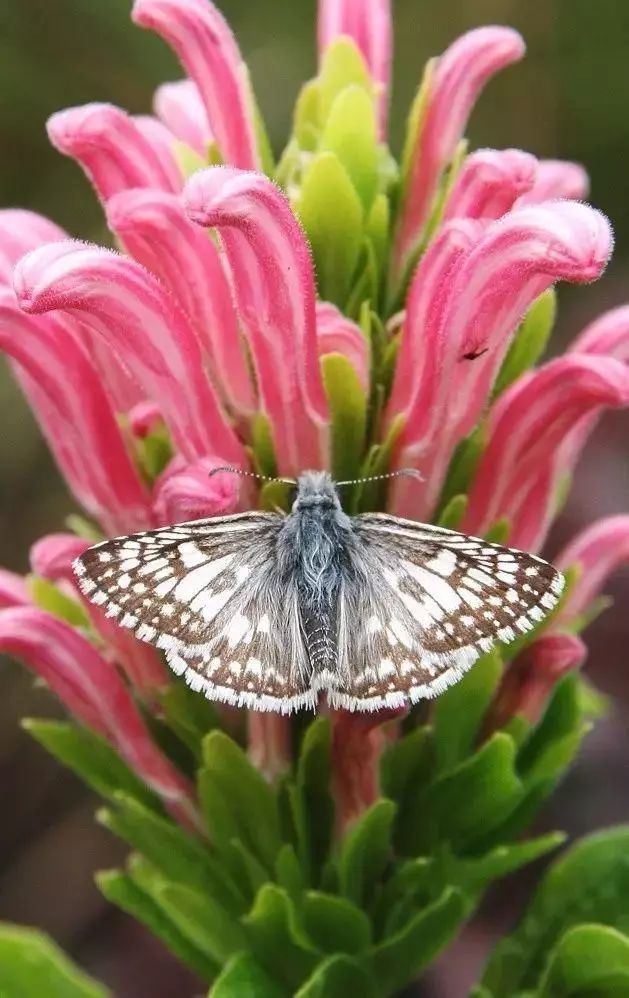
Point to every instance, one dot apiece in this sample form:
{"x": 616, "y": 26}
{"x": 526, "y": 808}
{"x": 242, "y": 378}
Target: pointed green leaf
{"x": 277, "y": 939}
{"x": 473, "y": 875}
{"x": 243, "y": 976}
{"x": 288, "y": 871}
{"x": 377, "y": 228}
{"x": 463, "y": 465}
{"x": 459, "y": 712}
{"x": 334, "y": 924}
{"x": 350, "y": 133}
{"x": 453, "y": 512}
{"x": 343, "y": 66}
{"x": 91, "y": 758}
{"x": 348, "y": 412}
{"x": 262, "y": 444}
{"x": 588, "y": 883}
{"x": 416, "y": 120}
{"x": 338, "y": 977}
{"x": 122, "y": 891}
{"x": 401, "y": 957}
{"x": 32, "y": 966}
{"x": 248, "y": 808}
{"x": 48, "y": 596}
{"x": 561, "y": 718}
{"x": 498, "y": 533}
{"x": 590, "y": 960}
{"x": 406, "y": 890}
{"x": 529, "y": 342}
{"x": 332, "y": 215}
{"x": 307, "y": 117}
{"x": 176, "y": 854}
{"x": 190, "y": 716}
{"x": 365, "y": 851}
{"x": 83, "y": 527}
{"x": 313, "y": 807}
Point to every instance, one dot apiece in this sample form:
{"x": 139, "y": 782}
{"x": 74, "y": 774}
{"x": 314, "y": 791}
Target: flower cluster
{"x": 341, "y": 312}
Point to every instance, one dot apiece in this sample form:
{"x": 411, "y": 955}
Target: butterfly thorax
{"x": 315, "y": 545}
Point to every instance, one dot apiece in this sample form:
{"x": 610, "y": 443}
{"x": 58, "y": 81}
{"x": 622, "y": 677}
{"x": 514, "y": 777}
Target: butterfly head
{"x": 315, "y": 488}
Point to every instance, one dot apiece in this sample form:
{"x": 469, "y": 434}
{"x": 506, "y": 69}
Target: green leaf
{"x": 338, "y": 977}
{"x": 48, "y": 596}
{"x": 343, "y": 66}
{"x": 176, "y": 854}
{"x": 237, "y": 801}
{"x": 407, "y": 889}
{"x": 416, "y": 120}
{"x": 121, "y": 890}
{"x": 471, "y": 798}
{"x": 473, "y": 875}
{"x": 188, "y": 159}
{"x": 277, "y": 939}
{"x": 288, "y": 871}
{"x": 153, "y": 452}
{"x": 498, "y": 533}
{"x": 312, "y": 804}
{"x": 365, "y": 851}
{"x": 32, "y": 966}
{"x": 188, "y": 715}
{"x": 453, "y": 512}
{"x": 243, "y": 976}
{"x": 561, "y": 719}
{"x": 91, "y": 758}
{"x": 529, "y": 342}
{"x": 207, "y": 925}
{"x": 348, "y": 412}
{"x": 401, "y": 957}
{"x": 372, "y": 495}
{"x": 262, "y": 444}
{"x": 459, "y": 712}
{"x": 83, "y": 527}
{"x": 588, "y": 883}
{"x": 307, "y": 117}
{"x": 377, "y": 228}
{"x": 332, "y": 215}
{"x": 589, "y": 960}
{"x": 350, "y": 133}
{"x": 334, "y": 924}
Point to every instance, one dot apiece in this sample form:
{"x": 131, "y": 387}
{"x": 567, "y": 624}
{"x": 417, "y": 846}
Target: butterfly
{"x": 268, "y": 610}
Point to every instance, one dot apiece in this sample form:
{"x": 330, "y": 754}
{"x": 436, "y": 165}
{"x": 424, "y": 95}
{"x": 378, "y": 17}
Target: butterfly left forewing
{"x": 430, "y": 603}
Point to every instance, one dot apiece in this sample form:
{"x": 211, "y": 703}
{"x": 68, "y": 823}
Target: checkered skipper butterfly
{"x": 267, "y": 610}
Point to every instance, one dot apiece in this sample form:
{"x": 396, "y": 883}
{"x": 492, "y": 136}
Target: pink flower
{"x": 201, "y": 346}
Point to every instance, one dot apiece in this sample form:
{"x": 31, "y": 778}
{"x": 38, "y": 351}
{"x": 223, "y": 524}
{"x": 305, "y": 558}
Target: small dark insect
{"x": 267, "y": 610}
{"x": 473, "y": 354}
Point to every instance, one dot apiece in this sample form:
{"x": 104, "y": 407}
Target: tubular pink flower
{"x": 596, "y": 552}
{"x": 21, "y": 231}
{"x": 460, "y": 75}
{"x": 92, "y": 690}
{"x": 75, "y": 415}
{"x": 188, "y": 492}
{"x": 273, "y": 282}
{"x": 369, "y": 26}
{"x": 338, "y": 334}
{"x": 122, "y": 302}
{"x": 518, "y": 257}
{"x": 490, "y": 182}
{"x": 557, "y": 178}
{"x": 52, "y": 556}
{"x": 113, "y": 149}
{"x": 529, "y": 442}
{"x": 529, "y": 681}
{"x": 13, "y": 590}
{"x": 207, "y": 49}
{"x": 608, "y": 335}
{"x": 156, "y": 232}
{"x": 180, "y": 107}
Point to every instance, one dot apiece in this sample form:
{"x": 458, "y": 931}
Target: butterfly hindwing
{"x": 430, "y": 602}
{"x": 206, "y": 593}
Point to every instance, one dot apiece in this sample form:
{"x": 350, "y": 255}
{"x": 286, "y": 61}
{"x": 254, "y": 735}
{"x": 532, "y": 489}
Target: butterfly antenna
{"x": 249, "y": 474}
{"x": 402, "y": 473}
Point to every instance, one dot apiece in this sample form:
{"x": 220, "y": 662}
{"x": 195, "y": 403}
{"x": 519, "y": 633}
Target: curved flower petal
{"x": 201, "y": 37}
{"x": 608, "y": 335}
{"x": 143, "y": 418}
{"x": 122, "y": 302}
{"x": 13, "y": 590}
{"x": 530, "y": 680}
{"x": 518, "y": 257}
{"x": 338, "y": 334}
{"x": 156, "y": 232}
{"x": 21, "y": 231}
{"x": 180, "y": 107}
{"x": 273, "y": 281}
{"x": 93, "y": 691}
{"x": 489, "y": 183}
{"x": 113, "y": 149}
{"x": 75, "y": 415}
{"x": 597, "y": 552}
{"x": 369, "y": 26}
{"x": 460, "y": 74}
{"x": 187, "y": 492}
{"x": 528, "y": 447}
{"x": 52, "y": 556}
{"x": 557, "y": 178}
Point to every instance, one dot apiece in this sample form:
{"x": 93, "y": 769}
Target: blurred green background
{"x": 568, "y": 99}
